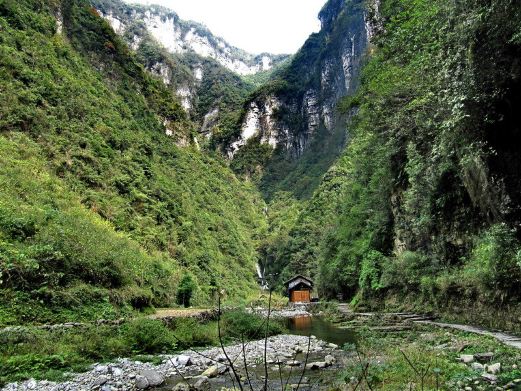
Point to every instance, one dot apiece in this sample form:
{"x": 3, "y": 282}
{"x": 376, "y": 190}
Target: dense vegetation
{"x": 43, "y": 354}
{"x": 427, "y": 191}
{"x": 100, "y": 211}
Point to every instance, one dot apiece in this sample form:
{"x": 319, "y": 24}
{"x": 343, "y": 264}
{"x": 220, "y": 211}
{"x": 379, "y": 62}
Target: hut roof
{"x": 297, "y": 280}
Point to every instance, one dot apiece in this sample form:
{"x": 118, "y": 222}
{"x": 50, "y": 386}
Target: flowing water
{"x": 301, "y": 325}
{"x": 320, "y": 328}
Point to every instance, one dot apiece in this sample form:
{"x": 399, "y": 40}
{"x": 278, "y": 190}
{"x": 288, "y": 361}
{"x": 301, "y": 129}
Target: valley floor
{"x": 392, "y": 352}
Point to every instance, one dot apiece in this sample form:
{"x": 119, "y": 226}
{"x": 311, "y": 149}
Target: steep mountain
{"x": 211, "y": 78}
{"x": 291, "y": 126}
{"x": 423, "y": 207}
{"x": 106, "y": 203}
{"x": 180, "y": 36}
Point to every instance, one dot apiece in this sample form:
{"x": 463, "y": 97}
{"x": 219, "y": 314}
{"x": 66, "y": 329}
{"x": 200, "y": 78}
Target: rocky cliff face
{"x": 179, "y": 36}
{"x": 305, "y": 98}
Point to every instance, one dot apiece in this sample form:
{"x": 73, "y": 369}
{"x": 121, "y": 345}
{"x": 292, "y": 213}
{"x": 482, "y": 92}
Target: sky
{"x": 274, "y": 26}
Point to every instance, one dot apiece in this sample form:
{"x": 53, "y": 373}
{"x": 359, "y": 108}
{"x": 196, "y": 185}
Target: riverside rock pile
{"x": 125, "y": 374}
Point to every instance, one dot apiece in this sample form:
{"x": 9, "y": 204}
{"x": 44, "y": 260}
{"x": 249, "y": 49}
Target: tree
{"x": 185, "y": 290}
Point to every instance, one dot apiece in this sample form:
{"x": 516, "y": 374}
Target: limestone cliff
{"x": 291, "y": 117}
{"x": 298, "y": 107}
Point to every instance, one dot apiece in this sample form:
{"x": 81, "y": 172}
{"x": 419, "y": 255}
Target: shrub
{"x": 494, "y": 264}
{"x": 191, "y": 333}
{"x": 370, "y": 270}
{"x": 406, "y": 271}
{"x": 148, "y": 336}
{"x": 185, "y": 290}
{"x": 240, "y": 324}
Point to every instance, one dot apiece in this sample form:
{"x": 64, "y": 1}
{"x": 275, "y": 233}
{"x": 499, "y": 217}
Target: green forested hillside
{"x": 424, "y": 203}
{"x": 100, "y": 210}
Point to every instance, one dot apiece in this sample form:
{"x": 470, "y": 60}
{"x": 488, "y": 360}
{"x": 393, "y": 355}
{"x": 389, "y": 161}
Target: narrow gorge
{"x": 147, "y": 163}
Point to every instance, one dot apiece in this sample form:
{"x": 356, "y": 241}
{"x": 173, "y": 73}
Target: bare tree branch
{"x": 232, "y": 367}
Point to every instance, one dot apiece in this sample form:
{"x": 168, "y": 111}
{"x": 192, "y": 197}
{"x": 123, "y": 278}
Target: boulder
{"x": 316, "y": 365}
{"x": 117, "y": 372}
{"x": 477, "y": 367}
{"x": 489, "y": 377}
{"x": 210, "y": 372}
{"x": 154, "y": 378}
{"x": 141, "y": 382}
{"x": 330, "y": 360}
{"x": 101, "y": 369}
{"x": 202, "y": 384}
{"x": 494, "y": 368}
{"x": 484, "y": 357}
{"x": 182, "y": 361}
{"x": 293, "y": 363}
{"x": 466, "y": 358}
{"x": 181, "y": 387}
{"x": 100, "y": 380}
{"x": 332, "y": 346}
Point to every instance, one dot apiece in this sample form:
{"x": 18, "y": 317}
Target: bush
{"x": 406, "y": 271}
{"x": 370, "y": 270}
{"x": 240, "y": 324}
{"x": 148, "y": 336}
{"x": 192, "y": 333}
{"x": 185, "y": 290}
{"x": 495, "y": 262}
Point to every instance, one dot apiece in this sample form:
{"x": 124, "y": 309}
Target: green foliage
{"x": 494, "y": 264}
{"x": 185, "y": 290}
{"x": 190, "y": 333}
{"x": 101, "y": 212}
{"x": 148, "y": 336}
{"x": 239, "y": 324}
{"x": 399, "y": 212}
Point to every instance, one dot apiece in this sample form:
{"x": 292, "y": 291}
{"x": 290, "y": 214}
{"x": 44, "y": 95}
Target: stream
{"x": 320, "y": 328}
{"x": 299, "y": 327}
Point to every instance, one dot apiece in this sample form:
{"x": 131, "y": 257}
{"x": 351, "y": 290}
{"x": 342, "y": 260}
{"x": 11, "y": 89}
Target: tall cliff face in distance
{"x": 296, "y": 114}
{"x": 210, "y": 77}
{"x": 179, "y": 36}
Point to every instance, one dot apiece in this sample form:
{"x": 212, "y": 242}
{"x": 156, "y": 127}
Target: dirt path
{"x": 507, "y": 339}
{"x": 166, "y": 313}
{"x": 404, "y": 318}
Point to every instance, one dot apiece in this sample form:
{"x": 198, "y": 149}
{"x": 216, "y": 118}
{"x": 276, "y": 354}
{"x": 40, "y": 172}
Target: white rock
{"x": 494, "y": 368}
{"x": 154, "y": 378}
{"x": 182, "y": 361}
{"x": 489, "y": 377}
{"x": 466, "y": 358}
{"x": 141, "y": 382}
{"x": 210, "y": 372}
{"x": 316, "y": 365}
{"x": 329, "y": 360}
{"x": 477, "y": 367}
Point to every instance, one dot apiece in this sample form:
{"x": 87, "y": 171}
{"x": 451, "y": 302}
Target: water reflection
{"x": 321, "y": 328}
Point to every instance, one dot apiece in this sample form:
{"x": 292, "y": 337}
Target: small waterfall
{"x": 260, "y": 275}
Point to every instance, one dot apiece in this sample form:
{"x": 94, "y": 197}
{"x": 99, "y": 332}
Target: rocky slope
{"x": 204, "y": 71}
{"x": 180, "y": 36}
{"x": 296, "y": 111}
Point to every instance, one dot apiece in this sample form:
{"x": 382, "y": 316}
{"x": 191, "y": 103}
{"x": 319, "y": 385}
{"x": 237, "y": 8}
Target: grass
{"x": 396, "y": 360}
{"x": 51, "y": 355}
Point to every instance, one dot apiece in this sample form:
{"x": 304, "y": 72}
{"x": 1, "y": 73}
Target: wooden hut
{"x": 299, "y": 289}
